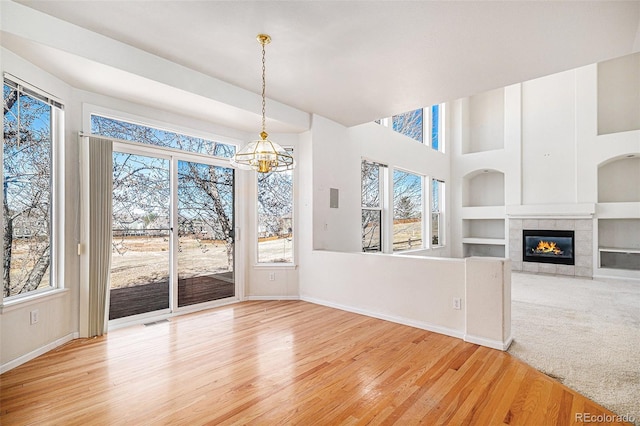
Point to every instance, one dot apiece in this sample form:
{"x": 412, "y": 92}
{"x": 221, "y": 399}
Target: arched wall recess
{"x": 484, "y": 187}
{"x": 618, "y": 179}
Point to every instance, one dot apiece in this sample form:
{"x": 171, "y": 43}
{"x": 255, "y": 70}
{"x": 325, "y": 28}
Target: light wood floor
{"x": 282, "y": 363}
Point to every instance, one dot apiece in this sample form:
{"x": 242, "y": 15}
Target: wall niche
{"x": 483, "y": 188}
{"x": 485, "y": 125}
{"x": 618, "y": 180}
{"x": 619, "y": 94}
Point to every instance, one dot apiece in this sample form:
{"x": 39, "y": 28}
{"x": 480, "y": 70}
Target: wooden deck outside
{"x": 284, "y": 363}
{"x": 151, "y": 297}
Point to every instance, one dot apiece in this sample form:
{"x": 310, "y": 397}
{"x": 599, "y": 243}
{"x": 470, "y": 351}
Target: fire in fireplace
{"x": 548, "y": 246}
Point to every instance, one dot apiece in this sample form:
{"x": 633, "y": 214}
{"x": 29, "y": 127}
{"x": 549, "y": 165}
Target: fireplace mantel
{"x": 551, "y": 211}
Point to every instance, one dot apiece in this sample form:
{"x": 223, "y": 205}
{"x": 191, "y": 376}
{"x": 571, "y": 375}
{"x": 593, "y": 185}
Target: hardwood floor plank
{"x": 281, "y": 362}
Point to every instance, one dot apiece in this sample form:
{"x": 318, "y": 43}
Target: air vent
{"x": 155, "y": 322}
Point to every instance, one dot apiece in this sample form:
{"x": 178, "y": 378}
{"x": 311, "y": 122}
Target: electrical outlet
{"x": 272, "y": 276}
{"x": 457, "y": 303}
{"x": 34, "y": 316}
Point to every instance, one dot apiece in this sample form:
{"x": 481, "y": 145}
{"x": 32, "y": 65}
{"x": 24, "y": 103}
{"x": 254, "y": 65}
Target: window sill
{"x": 32, "y": 299}
{"x": 418, "y": 250}
{"x": 409, "y": 251}
{"x": 274, "y": 265}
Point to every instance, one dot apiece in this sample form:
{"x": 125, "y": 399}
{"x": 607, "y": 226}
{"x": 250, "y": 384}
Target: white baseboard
{"x": 490, "y": 343}
{"x": 399, "y": 320}
{"x": 271, "y": 298}
{"x": 36, "y": 353}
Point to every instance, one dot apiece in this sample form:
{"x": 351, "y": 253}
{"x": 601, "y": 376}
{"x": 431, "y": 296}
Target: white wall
{"x": 416, "y": 291}
{"x": 548, "y": 140}
{"x": 335, "y": 164}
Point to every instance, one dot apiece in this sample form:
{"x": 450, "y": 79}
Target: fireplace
{"x": 548, "y": 246}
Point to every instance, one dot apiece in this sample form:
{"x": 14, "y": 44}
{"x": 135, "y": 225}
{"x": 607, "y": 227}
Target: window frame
{"x": 92, "y": 110}
{"x": 422, "y": 204}
{"x": 57, "y": 196}
{"x": 441, "y": 128}
{"x": 383, "y": 171}
{"x": 440, "y": 212}
{"x": 386, "y": 209}
{"x": 293, "y": 222}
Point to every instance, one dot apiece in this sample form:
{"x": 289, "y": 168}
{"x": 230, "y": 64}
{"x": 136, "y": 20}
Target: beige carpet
{"x": 584, "y": 333}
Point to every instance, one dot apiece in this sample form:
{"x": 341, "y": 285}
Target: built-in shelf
{"x": 619, "y": 250}
{"x": 491, "y": 229}
{"x": 483, "y": 250}
{"x": 490, "y": 241}
{"x": 488, "y": 212}
{"x": 619, "y": 244}
{"x": 618, "y": 210}
{"x": 619, "y": 258}
{"x": 484, "y": 236}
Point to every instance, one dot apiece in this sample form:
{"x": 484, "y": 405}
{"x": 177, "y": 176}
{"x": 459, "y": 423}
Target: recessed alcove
{"x": 619, "y": 180}
{"x": 619, "y": 243}
{"x": 485, "y": 125}
{"x": 619, "y": 94}
{"x": 483, "y": 250}
{"x": 483, "y": 188}
{"x": 483, "y": 228}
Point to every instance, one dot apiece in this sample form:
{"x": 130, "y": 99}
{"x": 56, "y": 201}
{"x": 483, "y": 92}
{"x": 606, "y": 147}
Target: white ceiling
{"x": 356, "y": 61}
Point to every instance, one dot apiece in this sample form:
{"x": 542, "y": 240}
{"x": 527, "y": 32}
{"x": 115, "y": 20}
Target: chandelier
{"x": 263, "y": 155}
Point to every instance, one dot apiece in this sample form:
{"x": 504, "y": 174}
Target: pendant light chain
{"x": 264, "y": 85}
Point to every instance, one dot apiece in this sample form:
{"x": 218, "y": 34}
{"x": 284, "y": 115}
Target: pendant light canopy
{"x": 263, "y": 155}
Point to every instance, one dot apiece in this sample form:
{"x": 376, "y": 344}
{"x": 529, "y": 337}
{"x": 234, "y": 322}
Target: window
{"x": 407, "y": 211}
{"x": 372, "y": 202}
{"x": 437, "y": 210}
{"x": 30, "y": 118}
{"x": 435, "y": 127}
{"x": 424, "y": 125}
{"x": 275, "y": 217}
{"x": 138, "y": 133}
{"x": 409, "y": 124}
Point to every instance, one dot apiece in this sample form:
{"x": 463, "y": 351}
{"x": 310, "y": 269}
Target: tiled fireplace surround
{"x": 583, "y": 240}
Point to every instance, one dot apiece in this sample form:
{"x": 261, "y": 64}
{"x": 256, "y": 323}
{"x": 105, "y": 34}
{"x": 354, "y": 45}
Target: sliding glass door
{"x": 141, "y": 227}
{"x": 205, "y": 255}
{"x": 153, "y": 268}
